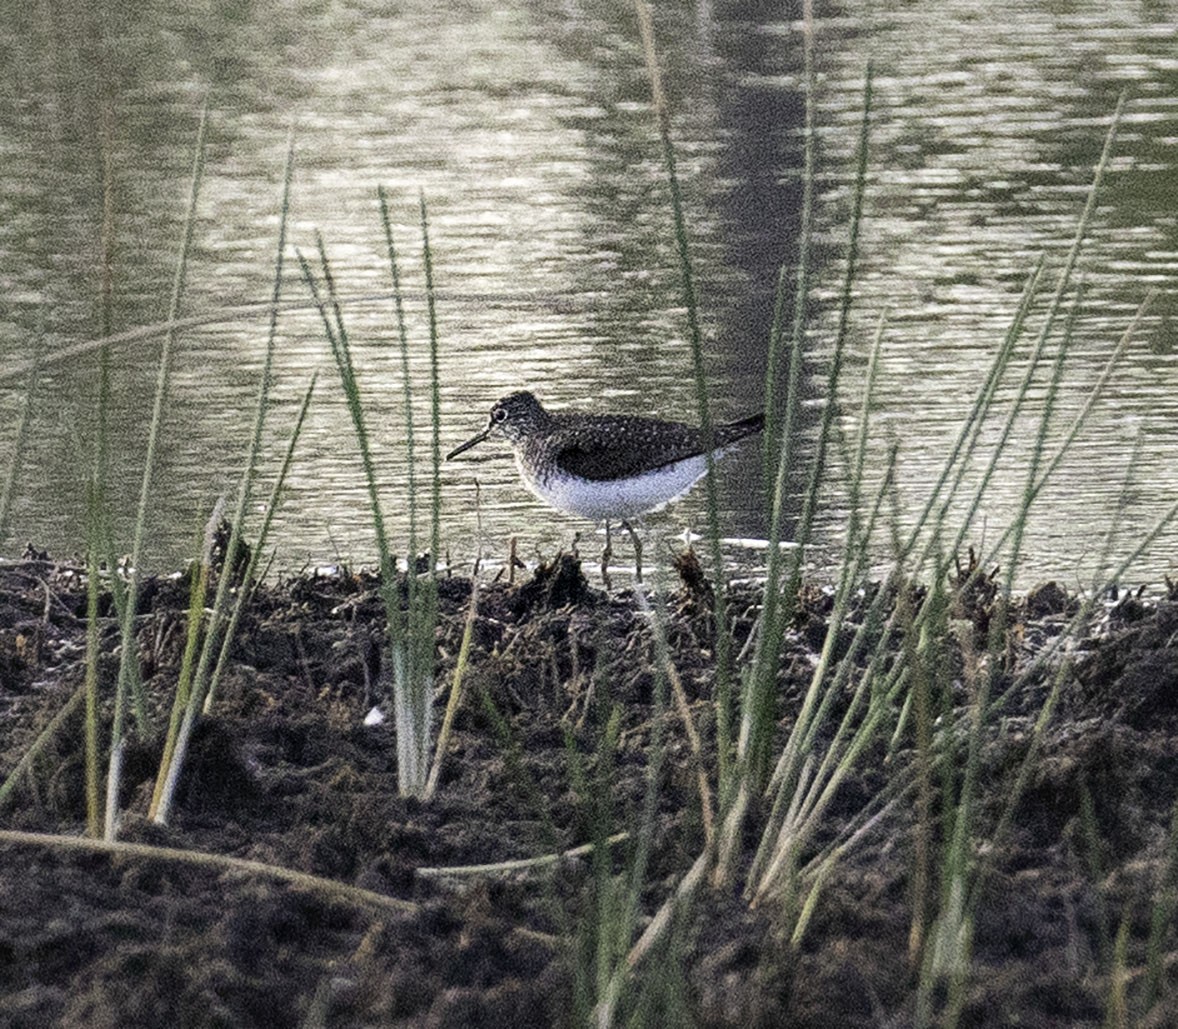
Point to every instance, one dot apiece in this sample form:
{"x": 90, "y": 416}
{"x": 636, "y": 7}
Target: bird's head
{"x": 514, "y": 417}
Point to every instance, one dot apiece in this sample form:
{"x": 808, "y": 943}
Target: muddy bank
{"x": 286, "y": 773}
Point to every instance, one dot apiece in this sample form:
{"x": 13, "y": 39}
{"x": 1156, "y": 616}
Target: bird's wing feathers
{"x": 609, "y": 448}
{"x": 601, "y": 455}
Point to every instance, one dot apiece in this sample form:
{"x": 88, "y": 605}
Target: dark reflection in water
{"x": 529, "y": 132}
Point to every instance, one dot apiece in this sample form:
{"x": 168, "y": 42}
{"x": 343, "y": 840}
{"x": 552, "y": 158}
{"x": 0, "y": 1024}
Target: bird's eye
{"x": 498, "y": 414}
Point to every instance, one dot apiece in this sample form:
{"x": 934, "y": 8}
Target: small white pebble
{"x": 374, "y": 717}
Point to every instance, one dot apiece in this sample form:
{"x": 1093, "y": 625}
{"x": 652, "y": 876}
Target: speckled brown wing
{"x": 610, "y": 448}
{"x": 616, "y": 447}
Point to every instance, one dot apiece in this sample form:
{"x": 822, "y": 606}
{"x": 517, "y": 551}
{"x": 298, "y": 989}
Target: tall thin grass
{"x": 786, "y": 787}
{"x": 128, "y": 678}
{"x": 220, "y": 634}
{"x": 197, "y": 687}
{"x": 7, "y": 495}
{"x": 201, "y": 572}
{"x": 91, "y": 739}
{"x": 699, "y": 376}
{"x": 206, "y": 640}
{"x": 606, "y": 955}
{"x": 410, "y": 623}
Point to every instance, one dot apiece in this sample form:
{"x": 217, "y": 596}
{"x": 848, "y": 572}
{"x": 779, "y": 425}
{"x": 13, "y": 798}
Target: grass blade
{"x": 699, "y": 374}
{"x": 22, "y": 435}
{"x": 198, "y": 702}
{"x": 128, "y": 651}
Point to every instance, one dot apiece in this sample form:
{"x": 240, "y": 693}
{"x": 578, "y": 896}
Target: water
{"x": 527, "y": 129}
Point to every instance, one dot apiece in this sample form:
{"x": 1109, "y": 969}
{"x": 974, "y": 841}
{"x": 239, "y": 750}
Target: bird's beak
{"x": 473, "y": 441}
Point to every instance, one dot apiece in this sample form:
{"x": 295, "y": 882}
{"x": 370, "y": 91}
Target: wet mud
{"x": 551, "y": 750}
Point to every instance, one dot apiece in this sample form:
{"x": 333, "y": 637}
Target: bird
{"x": 605, "y": 467}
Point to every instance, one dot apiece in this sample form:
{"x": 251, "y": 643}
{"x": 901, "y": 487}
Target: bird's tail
{"x": 730, "y": 432}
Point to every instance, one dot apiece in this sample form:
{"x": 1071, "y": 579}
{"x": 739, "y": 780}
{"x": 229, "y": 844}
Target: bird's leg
{"x": 637, "y": 550}
{"x": 606, "y": 554}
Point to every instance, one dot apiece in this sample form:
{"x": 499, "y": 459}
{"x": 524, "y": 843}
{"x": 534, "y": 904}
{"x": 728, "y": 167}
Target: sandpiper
{"x": 605, "y": 466}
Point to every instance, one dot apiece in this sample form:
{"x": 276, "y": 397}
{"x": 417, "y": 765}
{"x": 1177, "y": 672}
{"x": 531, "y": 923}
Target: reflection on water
{"x": 527, "y": 129}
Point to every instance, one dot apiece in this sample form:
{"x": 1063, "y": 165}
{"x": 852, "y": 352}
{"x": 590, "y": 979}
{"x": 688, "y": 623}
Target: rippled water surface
{"x": 529, "y": 133}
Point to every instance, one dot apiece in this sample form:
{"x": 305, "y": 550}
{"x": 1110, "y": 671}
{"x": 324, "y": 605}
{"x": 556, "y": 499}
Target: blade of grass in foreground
{"x": 435, "y": 397}
{"x": 416, "y": 625}
{"x": 758, "y": 716}
{"x": 978, "y": 417}
{"x": 22, "y": 434}
{"x": 778, "y": 458}
{"x": 412, "y": 687}
{"x": 723, "y": 639}
{"x": 801, "y": 820}
{"x": 249, "y": 472}
{"x": 399, "y": 623}
{"x": 90, "y": 744}
{"x": 455, "y": 697}
{"x": 757, "y": 709}
{"x": 782, "y": 867}
{"x": 200, "y": 574}
{"x": 851, "y": 573}
{"x": 202, "y": 687}
{"x": 128, "y": 652}
{"x": 426, "y": 615}
{"x": 169, "y": 773}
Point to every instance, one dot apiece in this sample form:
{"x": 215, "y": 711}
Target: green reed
{"x": 199, "y": 573}
{"x": 219, "y": 637}
{"x": 18, "y": 448}
{"x": 410, "y": 624}
{"x": 415, "y": 626}
{"x": 435, "y": 394}
{"x": 783, "y": 576}
{"x": 699, "y": 376}
{"x": 455, "y": 695}
{"x": 1164, "y": 909}
{"x": 93, "y": 789}
{"x": 128, "y": 675}
{"x": 758, "y": 706}
{"x": 897, "y": 682}
{"x": 199, "y": 675}
{"x": 886, "y": 688}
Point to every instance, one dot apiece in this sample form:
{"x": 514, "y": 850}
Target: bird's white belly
{"x": 617, "y": 498}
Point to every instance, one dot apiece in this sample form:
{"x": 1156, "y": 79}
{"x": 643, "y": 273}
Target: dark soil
{"x": 286, "y": 773}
